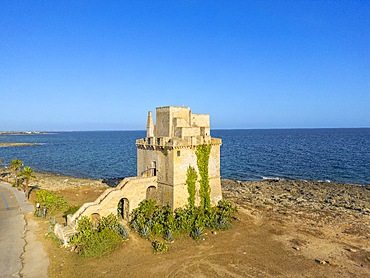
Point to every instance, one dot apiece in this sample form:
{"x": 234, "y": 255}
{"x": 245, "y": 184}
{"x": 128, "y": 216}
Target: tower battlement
{"x": 176, "y": 127}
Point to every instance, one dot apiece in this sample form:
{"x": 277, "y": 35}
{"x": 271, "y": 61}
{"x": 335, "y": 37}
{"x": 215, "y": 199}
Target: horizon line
{"x": 26, "y": 132}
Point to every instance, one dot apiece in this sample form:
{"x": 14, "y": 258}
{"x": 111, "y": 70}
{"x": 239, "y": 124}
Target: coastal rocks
{"x": 11, "y": 144}
{"x": 57, "y": 182}
{"x": 315, "y": 219}
{"x": 319, "y": 198}
{"x": 112, "y": 182}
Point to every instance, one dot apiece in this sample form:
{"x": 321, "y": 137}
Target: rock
{"x": 332, "y": 263}
{"x": 322, "y": 262}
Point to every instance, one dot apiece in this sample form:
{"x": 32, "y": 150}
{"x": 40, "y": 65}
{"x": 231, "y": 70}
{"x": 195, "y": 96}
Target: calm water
{"x": 341, "y": 155}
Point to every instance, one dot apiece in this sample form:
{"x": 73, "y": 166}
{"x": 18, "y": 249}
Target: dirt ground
{"x": 262, "y": 243}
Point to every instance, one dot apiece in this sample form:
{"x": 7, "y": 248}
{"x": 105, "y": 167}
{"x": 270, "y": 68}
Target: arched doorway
{"x": 123, "y": 209}
{"x": 151, "y": 193}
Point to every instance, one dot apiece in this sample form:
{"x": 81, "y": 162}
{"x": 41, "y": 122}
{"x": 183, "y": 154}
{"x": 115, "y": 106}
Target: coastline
{"x": 13, "y": 144}
{"x": 323, "y": 227}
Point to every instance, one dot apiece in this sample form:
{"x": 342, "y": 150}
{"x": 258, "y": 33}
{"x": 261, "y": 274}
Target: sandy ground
{"x": 264, "y": 242}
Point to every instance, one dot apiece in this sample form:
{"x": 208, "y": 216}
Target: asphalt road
{"x": 13, "y": 206}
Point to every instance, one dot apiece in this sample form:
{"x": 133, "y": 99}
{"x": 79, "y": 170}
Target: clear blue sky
{"x": 101, "y": 65}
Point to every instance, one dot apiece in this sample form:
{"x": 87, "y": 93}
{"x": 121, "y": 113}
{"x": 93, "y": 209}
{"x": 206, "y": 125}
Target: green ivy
{"x": 191, "y": 178}
{"x": 165, "y": 150}
{"x": 202, "y": 153}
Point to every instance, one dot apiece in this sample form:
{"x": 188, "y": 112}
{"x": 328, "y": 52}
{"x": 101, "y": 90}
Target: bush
{"x": 168, "y": 236}
{"x": 111, "y": 222}
{"x": 101, "y": 243}
{"x": 197, "y": 233}
{"x": 221, "y": 223}
{"x": 50, "y": 201}
{"x": 92, "y": 242}
{"x": 150, "y": 220}
{"x": 159, "y": 247}
{"x": 71, "y": 210}
{"x": 226, "y": 209}
{"x": 144, "y": 232}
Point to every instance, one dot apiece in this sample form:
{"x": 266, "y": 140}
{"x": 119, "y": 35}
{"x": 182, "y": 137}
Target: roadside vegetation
{"x": 20, "y": 175}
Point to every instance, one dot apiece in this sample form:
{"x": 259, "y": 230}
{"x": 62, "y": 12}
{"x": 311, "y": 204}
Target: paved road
{"x": 13, "y": 206}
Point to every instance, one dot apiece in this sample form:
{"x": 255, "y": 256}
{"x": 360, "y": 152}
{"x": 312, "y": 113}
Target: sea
{"x": 336, "y": 155}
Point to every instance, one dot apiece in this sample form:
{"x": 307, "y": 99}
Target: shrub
{"x": 184, "y": 219}
{"x": 92, "y": 242}
{"x": 101, "y": 243}
{"x": 197, "y": 233}
{"x": 226, "y": 209}
{"x": 111, "y": 222}
{"x": 159, "y": 247}
{"x": 71, "y": 210}
{"x": 134, "y": 225}
{"x": 50, "y": 201}
{"x": 150, "y": 219}
{"x": 144, "y": 232}
{"x": 168, "y": 235}
{"x": 221, "y": 223}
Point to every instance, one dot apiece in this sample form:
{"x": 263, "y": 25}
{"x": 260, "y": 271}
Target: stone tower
{"x": 169, "y": 149}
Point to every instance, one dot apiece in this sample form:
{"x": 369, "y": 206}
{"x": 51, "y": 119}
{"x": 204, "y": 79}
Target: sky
{"x": 101, "y": 65}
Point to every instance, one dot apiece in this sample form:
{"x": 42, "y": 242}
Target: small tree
{"x": 28, "y": 174}
{"x": 16, "y": 166}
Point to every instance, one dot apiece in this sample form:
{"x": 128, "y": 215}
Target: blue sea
{"x": 338, "y": 155}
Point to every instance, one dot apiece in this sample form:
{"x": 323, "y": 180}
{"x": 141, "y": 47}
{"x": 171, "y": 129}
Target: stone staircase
{"x": 133, "y": 189}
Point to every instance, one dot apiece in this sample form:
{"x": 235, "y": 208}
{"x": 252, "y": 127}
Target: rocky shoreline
{"x": 313, "y": 197}
{"x": 11, "y": 144}
{"x": 327, "y": 222}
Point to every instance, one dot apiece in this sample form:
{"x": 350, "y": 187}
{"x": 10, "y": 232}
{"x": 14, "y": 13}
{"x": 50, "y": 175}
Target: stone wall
{"x": 134, "y": 190}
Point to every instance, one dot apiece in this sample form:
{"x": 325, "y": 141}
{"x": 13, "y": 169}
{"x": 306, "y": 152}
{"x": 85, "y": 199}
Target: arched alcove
{"x": 151, "y": 193}
{"x": 123, "y": 208}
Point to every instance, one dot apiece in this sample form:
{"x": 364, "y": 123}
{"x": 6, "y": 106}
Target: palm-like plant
{"x": 28, "y": 174}
{"x": 16, "y": 166}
